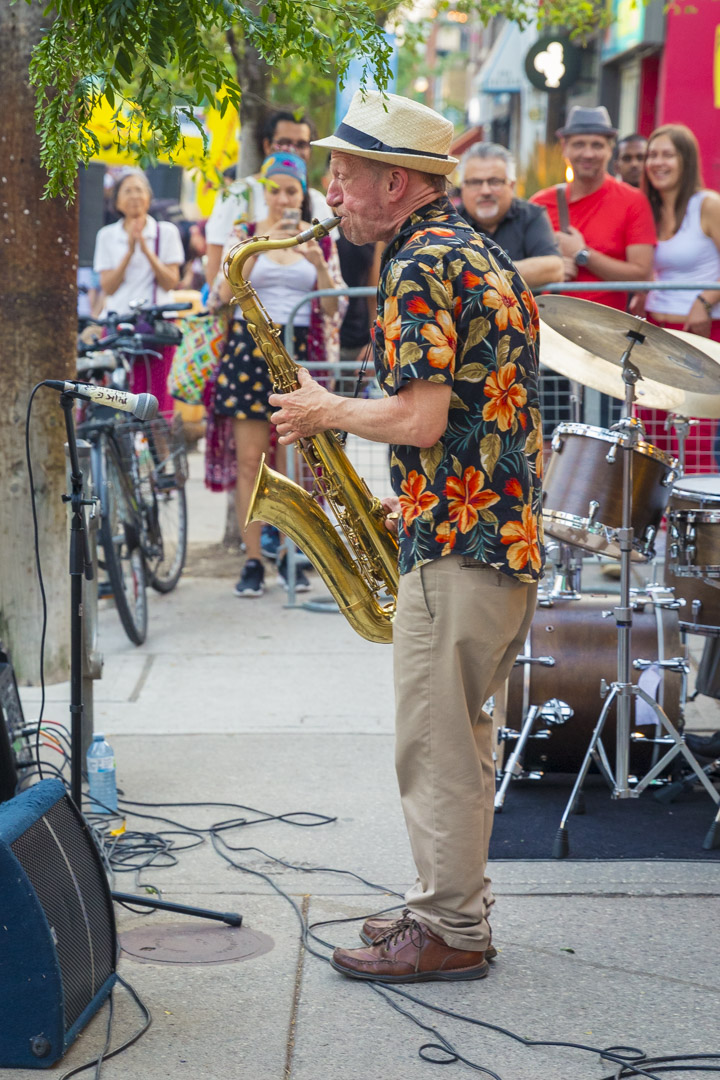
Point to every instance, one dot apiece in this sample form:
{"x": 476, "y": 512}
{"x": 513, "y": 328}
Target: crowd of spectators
{"x": 633, "y": 209}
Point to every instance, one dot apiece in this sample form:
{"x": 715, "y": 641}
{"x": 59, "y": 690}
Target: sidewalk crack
{"x": 296, "y": 995}
{"x": 142, "y": 678}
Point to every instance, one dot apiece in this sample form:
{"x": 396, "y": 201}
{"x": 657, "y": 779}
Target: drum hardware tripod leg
{"x": 513, "y": 767}
{"x": 555, "y": 713}
{"x": 623, "y": 689}
{"x": 595, "y": 752}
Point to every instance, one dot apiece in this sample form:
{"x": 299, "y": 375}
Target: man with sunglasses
{"x": 490, "y": 205}
{"x": 245, "y": 200}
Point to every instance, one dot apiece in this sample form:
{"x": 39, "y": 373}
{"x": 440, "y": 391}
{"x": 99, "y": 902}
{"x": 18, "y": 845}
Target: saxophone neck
{"x": 236, "y": 259}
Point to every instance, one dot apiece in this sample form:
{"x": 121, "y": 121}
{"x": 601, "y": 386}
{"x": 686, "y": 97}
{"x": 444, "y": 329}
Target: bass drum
{"x": 701, "y": 612}
{"x": 582, "y": 646}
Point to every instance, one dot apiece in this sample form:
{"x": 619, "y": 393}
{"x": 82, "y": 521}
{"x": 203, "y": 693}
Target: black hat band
{"x": 368, "y": 142}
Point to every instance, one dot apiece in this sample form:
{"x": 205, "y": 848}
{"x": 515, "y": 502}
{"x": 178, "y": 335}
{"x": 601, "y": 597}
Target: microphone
{"x": 143, "y": 406}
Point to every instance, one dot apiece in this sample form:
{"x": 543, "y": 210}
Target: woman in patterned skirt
{"x": 242, "y": 385}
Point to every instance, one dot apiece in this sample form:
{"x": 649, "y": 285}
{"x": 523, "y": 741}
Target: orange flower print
{"x": 505, "y": 396}
{"x": 415, "y": 500}
{"x": 522, "y": 537}
{"x": 465, "y": 497}
{"x": 447, "y": 536}
{"x": 418, "y": 306}
{"x": 470, "y": 280}
{"x": 533, "y": 324}
{"x": 443, "y": 336}
{"x": 501, "y": 297}
{"x": 514, "y": 487}
{"x": 391, "y": 326}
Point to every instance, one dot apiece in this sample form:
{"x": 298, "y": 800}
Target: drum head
{"x": 701, "y": 487}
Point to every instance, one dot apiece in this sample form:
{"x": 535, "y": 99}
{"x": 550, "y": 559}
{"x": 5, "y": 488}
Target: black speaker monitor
{"x": 58, "y": 943}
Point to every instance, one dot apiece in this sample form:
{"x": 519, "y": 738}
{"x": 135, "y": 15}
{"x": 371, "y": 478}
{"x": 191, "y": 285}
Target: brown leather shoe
{"x": 409, "y": 952}
{"x": 377, "y": 925}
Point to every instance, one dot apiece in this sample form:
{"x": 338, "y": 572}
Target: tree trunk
{"x": 253, "y": 75}
{"x": 37, "y": 341}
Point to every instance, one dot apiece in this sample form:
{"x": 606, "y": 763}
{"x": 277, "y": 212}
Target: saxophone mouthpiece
{"x": 317, "y": 229}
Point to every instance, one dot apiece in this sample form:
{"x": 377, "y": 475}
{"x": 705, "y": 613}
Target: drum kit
{"x": 606, "y": 492}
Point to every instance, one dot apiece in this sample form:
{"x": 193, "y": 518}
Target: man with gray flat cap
{"x": 604, "y": 227}
{"x": 456, "y": 357}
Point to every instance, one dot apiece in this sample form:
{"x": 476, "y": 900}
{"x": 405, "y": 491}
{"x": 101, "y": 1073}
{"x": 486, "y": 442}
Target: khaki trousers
{"x": 458, "y": 629}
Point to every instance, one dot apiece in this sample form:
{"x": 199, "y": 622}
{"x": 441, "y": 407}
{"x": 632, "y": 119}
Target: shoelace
{"x": 405, "y": 925}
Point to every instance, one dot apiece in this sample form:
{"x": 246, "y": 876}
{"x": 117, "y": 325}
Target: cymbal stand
{"x": 624, "y": 690}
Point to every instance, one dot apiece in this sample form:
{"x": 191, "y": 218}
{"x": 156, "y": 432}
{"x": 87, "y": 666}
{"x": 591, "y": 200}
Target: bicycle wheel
{"x": 163, "y": 487}
{"x": 120, "y": 540}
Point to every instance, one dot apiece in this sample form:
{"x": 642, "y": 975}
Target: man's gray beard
{"x": 487, "y": 219}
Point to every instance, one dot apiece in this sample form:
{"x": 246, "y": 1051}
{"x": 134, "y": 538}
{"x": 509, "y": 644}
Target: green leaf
{"x": 410, "y": 353}
{"x": 490, "y": 448}
{"x": 430, "y": 459}
{"x": 471, "y": 373}
{"x": 395, "y": 462}
{"x": 477, "y": 331}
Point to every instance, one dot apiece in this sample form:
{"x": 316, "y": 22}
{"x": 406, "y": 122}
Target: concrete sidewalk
{"x": 289, "y": 712}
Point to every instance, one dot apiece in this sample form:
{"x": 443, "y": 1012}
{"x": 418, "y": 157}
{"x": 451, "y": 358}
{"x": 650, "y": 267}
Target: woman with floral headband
{"x": 242, "y": 385}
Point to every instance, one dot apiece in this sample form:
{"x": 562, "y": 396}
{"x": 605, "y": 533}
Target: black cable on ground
{"x": 105, "y": 1055}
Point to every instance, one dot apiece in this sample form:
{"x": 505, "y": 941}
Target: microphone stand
{"x": 81, "y": 566}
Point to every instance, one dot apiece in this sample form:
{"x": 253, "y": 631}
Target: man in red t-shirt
{"x": 611, "y": 233}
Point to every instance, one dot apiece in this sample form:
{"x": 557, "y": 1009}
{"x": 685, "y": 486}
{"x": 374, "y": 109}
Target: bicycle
{"x": 139, "y": 470}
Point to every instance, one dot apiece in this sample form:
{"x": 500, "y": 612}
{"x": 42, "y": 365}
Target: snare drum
{"x": 694, "y": 507}
{"x": 582, "y": 502}
{"x": 574, "y": 648}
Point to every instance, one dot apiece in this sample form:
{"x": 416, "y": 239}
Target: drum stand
{"x": 624, "y": 690}
{"x": 567, "y": 561}
{"x": 681, "y": 426}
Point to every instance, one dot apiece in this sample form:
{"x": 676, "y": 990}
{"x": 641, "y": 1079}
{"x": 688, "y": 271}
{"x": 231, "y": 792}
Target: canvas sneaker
{"x": 270, "y": 541}
{"x": 302, "y": 582}
{"x": 252, "y": 579}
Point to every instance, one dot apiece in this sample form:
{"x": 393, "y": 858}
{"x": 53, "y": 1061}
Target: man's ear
{"x": 397, "y": 182}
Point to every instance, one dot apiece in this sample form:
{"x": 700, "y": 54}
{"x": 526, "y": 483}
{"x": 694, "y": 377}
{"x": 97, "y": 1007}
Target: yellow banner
{"x": 222, "y": 132}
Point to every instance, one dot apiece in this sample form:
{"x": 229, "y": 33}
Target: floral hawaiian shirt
{"x": 453, "y": 309}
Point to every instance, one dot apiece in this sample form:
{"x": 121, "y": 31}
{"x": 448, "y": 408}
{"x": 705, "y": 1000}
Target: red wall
{"x": 686, "y": 81}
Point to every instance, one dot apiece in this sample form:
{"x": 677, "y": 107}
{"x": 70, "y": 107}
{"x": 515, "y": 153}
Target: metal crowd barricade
{"x": 561, "y": 400}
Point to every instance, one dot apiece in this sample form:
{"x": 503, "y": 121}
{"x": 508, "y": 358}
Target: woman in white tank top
{"x": 239, "y": 402}
{"x": 687, "y": 219}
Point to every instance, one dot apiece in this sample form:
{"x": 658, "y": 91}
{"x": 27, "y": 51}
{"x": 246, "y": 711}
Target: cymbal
{"x": 666, "y": 358}
{"x": 566, "y": 358}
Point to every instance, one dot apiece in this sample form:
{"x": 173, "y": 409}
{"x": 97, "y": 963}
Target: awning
{"x": 503, "y": 71}
{"x": 463, "y": 142}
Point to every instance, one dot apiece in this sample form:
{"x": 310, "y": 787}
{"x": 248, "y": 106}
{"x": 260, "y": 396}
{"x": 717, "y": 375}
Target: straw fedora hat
{"x": 396, "y": 130}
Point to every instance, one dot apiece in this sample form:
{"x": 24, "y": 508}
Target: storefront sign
{"x": 627, "y": 29}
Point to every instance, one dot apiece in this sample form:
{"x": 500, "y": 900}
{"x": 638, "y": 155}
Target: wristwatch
{"x": 582, "y": 257}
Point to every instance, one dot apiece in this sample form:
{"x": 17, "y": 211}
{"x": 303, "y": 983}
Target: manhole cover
{"x": 195, "y": 945}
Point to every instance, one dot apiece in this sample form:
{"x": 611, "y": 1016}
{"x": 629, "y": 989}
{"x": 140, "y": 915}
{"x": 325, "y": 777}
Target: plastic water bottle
{"x": 101, "y": 775}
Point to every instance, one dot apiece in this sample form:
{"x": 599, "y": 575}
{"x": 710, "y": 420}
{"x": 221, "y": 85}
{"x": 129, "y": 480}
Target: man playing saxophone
{"x": 456, "y": 356}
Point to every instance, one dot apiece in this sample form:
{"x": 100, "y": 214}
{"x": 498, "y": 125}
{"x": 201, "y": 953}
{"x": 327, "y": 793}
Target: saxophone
{"x": 363, "y": 567}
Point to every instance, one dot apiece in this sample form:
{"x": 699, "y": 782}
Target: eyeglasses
{"x": 300, "y": 145}
{"x": 494, "y": 183}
